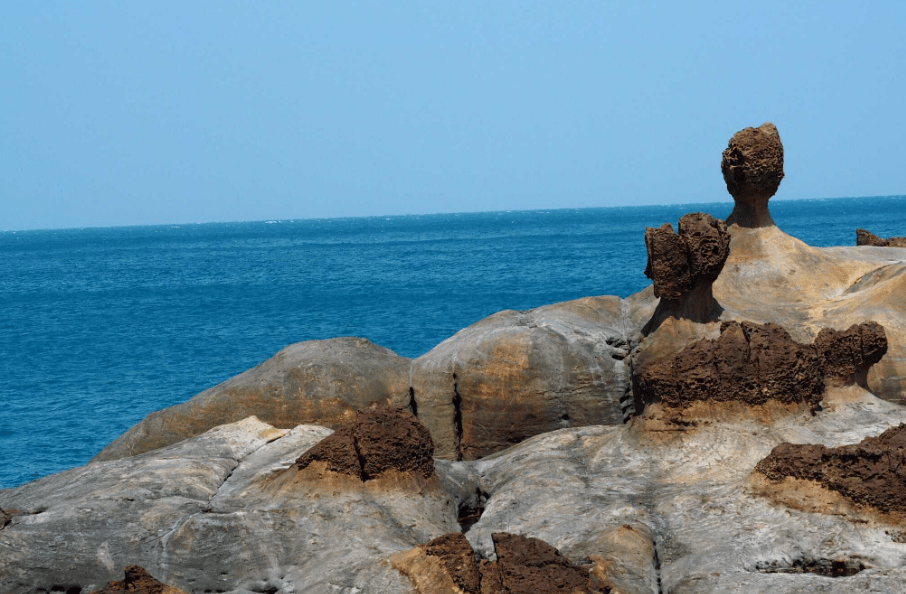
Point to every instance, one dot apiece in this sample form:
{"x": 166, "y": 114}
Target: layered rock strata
{"x": 138, "y": 581}
{"x": 755, "y": 363}
{"x": 752, "y": 166}
{"x": 864, "y": 237}
{"x": 870, "y": 473}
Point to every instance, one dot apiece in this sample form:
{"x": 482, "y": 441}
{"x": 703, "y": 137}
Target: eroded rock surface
{"x": 752, "y": 166}
{"x": 677, "y": 262}
{"x": 864, "y": 237}
{"x": 872, "y": 472}
{"x": 319, "y": 381}
{"x": 380, "y": 440}
{"x": 138, "y": 581}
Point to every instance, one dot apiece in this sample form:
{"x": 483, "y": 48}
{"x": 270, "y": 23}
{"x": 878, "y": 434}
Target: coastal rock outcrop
{"x": 864, "y": 237}
{"x": 752, "y": 166}
{"x": 318, "y": 381}
{"x": 138, "y": 581}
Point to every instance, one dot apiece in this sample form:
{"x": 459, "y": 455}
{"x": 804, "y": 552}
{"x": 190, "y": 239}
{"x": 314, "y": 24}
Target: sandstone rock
{"x": 848, "y": 355}
{"x": 752, "y": 167}
{"x": 864, "y": 237}
{"x": 869, "y": 473}
{"x": 531, "y": 566}
{"x": 139, "y": 581}
{"x": 380, "y": 440}
{"x": 319, "y": 381}
{"x": 518, "y": 374}
{"x": 679, "y": 262}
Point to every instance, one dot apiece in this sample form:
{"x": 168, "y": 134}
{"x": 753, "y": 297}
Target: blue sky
{"x": 123, "y": 113}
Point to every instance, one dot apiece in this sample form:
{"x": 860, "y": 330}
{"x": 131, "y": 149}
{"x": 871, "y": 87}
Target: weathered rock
{"x": 517, "y": 374}
{"x": 847, "y": 356}
{"x": 445, "y": 565}
{"x": 749, "y": 363}
{"x": 319, "y": 381}
{"x": 5, "y": 518}
{"x": 864, "y": 237}
{"x": 872, "y": 472}
{"x": 139, "y": 581}
{"x": 531, "y": 566}
{"x": 752, "y": 166}
{"x": 679, "y": 262}
{"x": 380, "y": 441}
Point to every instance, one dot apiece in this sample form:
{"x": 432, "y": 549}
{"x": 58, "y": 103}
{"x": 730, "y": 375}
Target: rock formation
{"x": 864, "y": 237}
{"x": 319, "y": 381}
{"x": 523, "y": 566}
{"x": 754, "y": 363}
{"x": 677, "y": 263}
{"x": 871, "y": 473}
{"x": 378, "y": 442}
{"x": 752, "y": 166}
{"x": 138, "y": 581}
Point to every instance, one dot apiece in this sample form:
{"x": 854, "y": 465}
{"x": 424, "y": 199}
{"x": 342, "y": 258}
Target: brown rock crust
{"x": 872, "y": 472}
{"x": 864, "y": 237}
{"x": 755, "y": 363}
{"x": 379, "y": 441}
{"x": 5, "y": 518}
{"x": 459, "y": 560}
{"x": 138, "y": 581}
{"x": 524, "y": 566}
{"x": 752, "y": 166}
{"x": 531, "y": 566}
{"x": 678, "y": 262}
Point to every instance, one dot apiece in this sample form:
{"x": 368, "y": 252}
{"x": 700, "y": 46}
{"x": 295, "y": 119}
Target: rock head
{"x": 752, "y": 166}
{"x": 379, "y": 441}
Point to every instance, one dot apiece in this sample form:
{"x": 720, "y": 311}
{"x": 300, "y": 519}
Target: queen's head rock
{"x": 752, "y": 167}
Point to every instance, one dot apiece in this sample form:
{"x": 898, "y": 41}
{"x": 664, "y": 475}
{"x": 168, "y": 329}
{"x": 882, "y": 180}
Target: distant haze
{"x": 126, "y": 113}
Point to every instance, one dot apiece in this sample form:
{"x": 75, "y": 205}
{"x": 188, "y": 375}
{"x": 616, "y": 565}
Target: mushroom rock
{"x": 379, "y": 442}
{"x": 318, "y": 381}
{"x": 752, "y": 167}
{"x": 865, "y": 474}
{"x": 864, "y": 237}
{"x": 138, "y": 581}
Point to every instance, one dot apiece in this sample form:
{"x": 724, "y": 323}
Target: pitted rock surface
{"x": 752, "y": 163}
{"x": 872, "y": 472}
{"x": 531, "y": 566}
{"x": 379, "y": 441}
{"x": 864, "y": 237}
{"x": 677, "y": 262}
{"x": 748, "y": 362}
{"x": 459, "y": 560}
{"x": 138, "y": 581}
{"x": 848, "y": 353}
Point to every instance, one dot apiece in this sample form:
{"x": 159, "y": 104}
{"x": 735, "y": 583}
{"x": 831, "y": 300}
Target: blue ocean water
{"x": 99, "y": 327}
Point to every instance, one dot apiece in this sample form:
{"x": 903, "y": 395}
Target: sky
{"x": 138, "y": 113}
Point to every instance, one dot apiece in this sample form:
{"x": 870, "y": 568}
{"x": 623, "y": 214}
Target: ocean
{"x": 99, "y": 327}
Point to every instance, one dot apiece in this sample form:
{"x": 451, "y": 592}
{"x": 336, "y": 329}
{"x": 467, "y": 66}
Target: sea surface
{"x": 99, "y": 327}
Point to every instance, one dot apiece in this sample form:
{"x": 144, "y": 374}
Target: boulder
{"x": 517, "y": 374}
{"x": 864, "y": 237}
{"x": 319, "y": 381}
